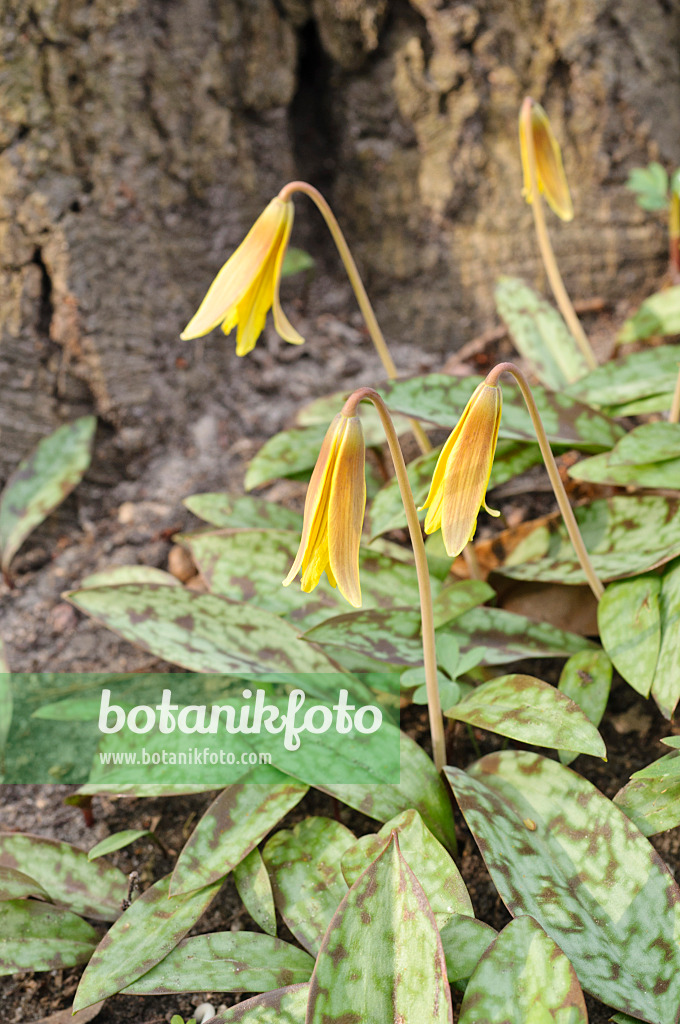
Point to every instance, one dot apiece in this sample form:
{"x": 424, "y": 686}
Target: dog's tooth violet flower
{"x": 550, "y": 176}
{"x": 247, "y": 286}
{"x": 461, "y": 476}
{"x": 334, "y": 512}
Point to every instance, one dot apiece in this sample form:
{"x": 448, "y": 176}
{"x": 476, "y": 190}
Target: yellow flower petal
{"x": 346, "y": 511}
{"x": 282, "y": 324}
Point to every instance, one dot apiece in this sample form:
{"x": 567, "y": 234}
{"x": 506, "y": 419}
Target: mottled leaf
{"x": 36, "y": 936}
{"x": 119, "y": 575}
{"x": 250, "y": 565}
{"x": 650, "y": 442}
{"x": 242, "y": 511}
{"x": 431, "y": 864}
{"x": 148, "y": 930}
{"x": 441, "y": 399}
{"x": 464, "y": 940}
{"x": 15, "y": 885}
{"x": 304, "y": 865}
{"x": 117, "y": 841}
{"x": 42, "y": 481}
{"x": 523, "y": 977}
{"x": 586, "y": 678}
{"x": 629, "y": 621}
{"x": 453, "y": 601}
{"x": 648, "y": 456}
{"x": 651, "y": 804}
{"x": 531, "y": 711}
{"x": 539, "y": 333}
{"x": 653, "y": 371}
{"x": 94, "y": 890}
{"x": 381, "y": 959}
{"x": 283, "y": 1006}
{"x": 321, "y": 411}
{"x": 659, "y": 314}
{"x": 666, "y": 767}
{"x": 285, "y": 454}
{"x": 666, "y": 684}
{"x": 200, "y": 632}
{"x": 559, "y": 851}
{"x": 255, "y": 889}
{"x": 5, "y": 705}
{"x": 232, "y": 826}
{"x": 624, "y": 536}
{"x": 139, "y": 790}
{"x": 226, "y": 962}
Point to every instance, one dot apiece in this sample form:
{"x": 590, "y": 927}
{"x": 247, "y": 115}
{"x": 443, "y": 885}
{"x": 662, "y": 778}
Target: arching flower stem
{"x": 363, "y": 300}
{"x": 422, "y": 571}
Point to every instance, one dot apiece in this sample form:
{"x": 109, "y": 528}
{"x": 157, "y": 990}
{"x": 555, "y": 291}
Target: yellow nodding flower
{"x": 552, "y": 181}
{"x": 461, "y": 476}
{"x": 334, "y": 512}
{"x": 247, "y": 286}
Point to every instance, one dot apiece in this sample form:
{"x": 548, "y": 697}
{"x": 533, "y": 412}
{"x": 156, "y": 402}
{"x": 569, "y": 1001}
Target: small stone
{"x": 180, "y": 564}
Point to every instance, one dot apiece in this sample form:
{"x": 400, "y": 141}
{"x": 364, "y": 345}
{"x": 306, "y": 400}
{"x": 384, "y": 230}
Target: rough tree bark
{"x": 139, "y": 138}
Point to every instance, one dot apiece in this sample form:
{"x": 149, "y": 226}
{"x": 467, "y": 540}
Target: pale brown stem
{"x": 363, "y": 300}
{"x": 547, "y": 254}
{"x": 422, "y": 571}
{"x": 674, "y": 414}
{"x": 554, "y": 474}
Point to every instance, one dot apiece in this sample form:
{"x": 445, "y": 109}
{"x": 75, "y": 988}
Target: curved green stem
{"x": 553, "y": 472}
{"x": 422, "y": 571}
{"x": 547, "y": 254}
{"x": 363, "y": 300}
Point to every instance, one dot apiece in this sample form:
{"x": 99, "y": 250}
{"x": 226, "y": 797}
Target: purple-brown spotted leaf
{"x": 283, "y": 1006}
{"x": 226, "y": 962}
{"x": 15, "y": 885}
{"x": 117, "y": 841}
{"x": 523, "y": 976}
{"x": 36, "y": 936}
{"x": 148, "y": 930}
{"x": 586, "y": 679}
{"x": 531, "y": 711}
{"x": 666, "y": 684}
{"x": 139, "y": 790}
{"x": 629, "y": 621}
{"x": 255, "y": 889}
{"x": 431, "y": 864}
{"x": 381, "y": 958}
{"x": 94, "y": 889}
{"x": 232, "y": 826}
{"x": 307, "y": 881}
{"x": 242, "y": 511}
{"x": 200, "y": 632}
{"x": 42, "y": 481}
{"x": 464, "y": 940}
{"x": 559, "y": 851}
{"x": 5, "y": 704}
{"x": 653, "y": 804}
{"x": 120, "y": 575}
{"x": 652, "y": 371}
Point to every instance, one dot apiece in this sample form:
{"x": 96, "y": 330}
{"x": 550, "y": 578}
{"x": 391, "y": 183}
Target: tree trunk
{"x": 140, "y": 138}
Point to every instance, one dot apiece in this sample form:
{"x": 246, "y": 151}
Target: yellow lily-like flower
{"x": 461, "y": 475}
{"x": 247, "y": 286}
{"x": 550, "y": 176}
{"x": 334, "y": 512}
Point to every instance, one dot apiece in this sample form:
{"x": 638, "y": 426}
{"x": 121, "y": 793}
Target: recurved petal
{"x": 238, "y": 272}
{"x": 284, "y": 327}
{"x": 346, "y": 511}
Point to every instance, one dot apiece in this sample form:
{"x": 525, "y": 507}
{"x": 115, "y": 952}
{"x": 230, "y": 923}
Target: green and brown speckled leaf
{"x": 431, "y": 864}
{"x": 36, "y": 936}
{"x": 148, "y": 930}
{"x": 653, "y": 371}
{"x": 464, "y": 940}
{"x": 249, "y": 566}
{"x": 629, "y": 621}
{"x": 286, "y": 454}
{"x": 15, "y": 885}
{"x": 539, "y": 333}
{"x": 586, "y": 678}
{"x": 6, "y": 704}
{"x": 139, "y": 790}
{"x": 381, "y": 958}
{"x": 604, "y": 469}
{"x": 200, "y": 632}
{"x": 559, "y": 851}
{"x": 94, "y": 890}
{"x": 242, "y": 512}
{"x": 531, "y": 711}
{"x": 304, "y": 866}
{"x": 42, "y": 481}
{"x": 666, "y": 684}
{"x": 226, "y": 962}
{"x": 387, "y": 511}
{"x": 658, "y": 314}
{"x": 255, "y": 889}
{"x": 283, "y": 1006}
{"x": 117, "y": 841}
{"x": 653, "y": 804}
{"x": 119, "y": 575}
{"x": 453, "y": 601}
{"x": 232, "y": 826}
{"x": 624, "y": 535}
{"x": 420, "y": 787}
{"x": 523, "y": 976}
{"x": 441, "y": 400}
